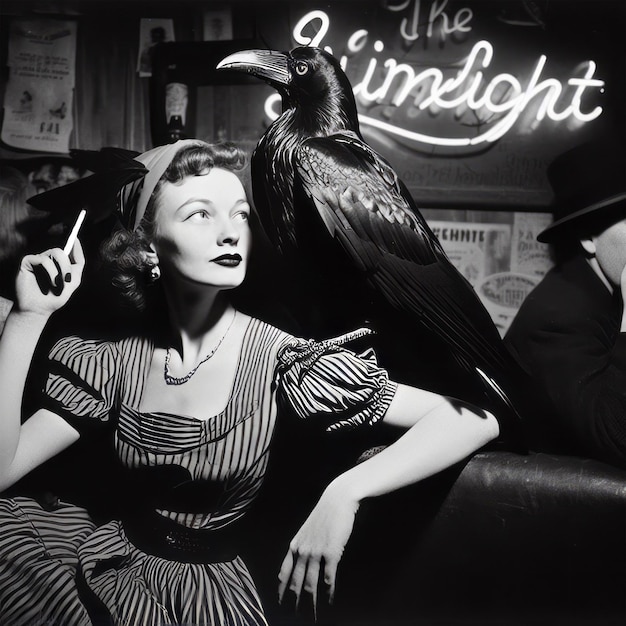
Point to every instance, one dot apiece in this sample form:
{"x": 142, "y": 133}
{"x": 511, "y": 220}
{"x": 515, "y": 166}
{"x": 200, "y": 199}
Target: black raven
{"x": 349, "y": 230}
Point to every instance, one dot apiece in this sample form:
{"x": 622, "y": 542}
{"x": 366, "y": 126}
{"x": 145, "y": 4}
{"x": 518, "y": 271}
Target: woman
{"x": 192, "y": 407}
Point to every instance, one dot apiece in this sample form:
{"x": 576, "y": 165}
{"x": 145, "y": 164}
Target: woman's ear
{"x": 151, "y": 256}
{"x": 589, "y": 246}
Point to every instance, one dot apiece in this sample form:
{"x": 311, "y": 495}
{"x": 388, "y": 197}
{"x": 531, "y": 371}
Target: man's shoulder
{"x": 561, "y": 300}
{"x": 568, "y": 289}
{"x": 554, "y": 294}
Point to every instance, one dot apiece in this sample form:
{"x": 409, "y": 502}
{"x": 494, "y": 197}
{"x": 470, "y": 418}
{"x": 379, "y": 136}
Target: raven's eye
{"x": 301, "y": 68}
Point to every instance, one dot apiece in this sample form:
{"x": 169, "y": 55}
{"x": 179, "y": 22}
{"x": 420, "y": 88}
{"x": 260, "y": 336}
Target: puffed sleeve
{"x": 81, "y": 381}
{"x": 322, "y": 377}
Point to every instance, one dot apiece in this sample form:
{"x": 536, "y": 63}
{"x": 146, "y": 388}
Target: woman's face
{"x": 202, "y": 233}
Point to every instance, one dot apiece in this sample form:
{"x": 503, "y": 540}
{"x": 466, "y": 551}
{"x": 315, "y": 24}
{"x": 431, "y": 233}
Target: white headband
{"x": 156, "y": 162}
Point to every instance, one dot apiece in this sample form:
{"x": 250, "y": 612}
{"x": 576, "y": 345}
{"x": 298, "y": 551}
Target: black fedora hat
{"x": 588, "y": 182}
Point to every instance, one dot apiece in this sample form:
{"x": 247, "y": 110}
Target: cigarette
{"x": 72, "y": 238}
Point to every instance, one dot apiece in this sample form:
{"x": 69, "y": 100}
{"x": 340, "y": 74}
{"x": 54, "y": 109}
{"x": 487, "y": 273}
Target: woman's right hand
{"x": 46, "y": 281}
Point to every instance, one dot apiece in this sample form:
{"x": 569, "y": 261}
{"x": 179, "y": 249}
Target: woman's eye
{"x": 301, "y": 68}
{"x": 199, "y": 216}
{"x": 243, "y": 216}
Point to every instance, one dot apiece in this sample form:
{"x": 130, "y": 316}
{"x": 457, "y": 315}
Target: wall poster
{"x": 39, "y": 94}
{"x": 503, "y": 261}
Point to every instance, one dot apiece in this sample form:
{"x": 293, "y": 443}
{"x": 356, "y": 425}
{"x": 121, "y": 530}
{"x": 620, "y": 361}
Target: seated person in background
{"x": 13, "y": 211}
{"x": 570, "y": 333}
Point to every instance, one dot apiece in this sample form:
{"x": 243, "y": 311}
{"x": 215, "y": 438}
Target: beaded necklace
{"x": 173, "y": 380}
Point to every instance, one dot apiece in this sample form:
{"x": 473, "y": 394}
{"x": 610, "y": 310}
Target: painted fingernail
{"x": 68, "y": 277}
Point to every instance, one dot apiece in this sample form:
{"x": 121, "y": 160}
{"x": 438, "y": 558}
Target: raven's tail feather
{"x": 499, "y": 391}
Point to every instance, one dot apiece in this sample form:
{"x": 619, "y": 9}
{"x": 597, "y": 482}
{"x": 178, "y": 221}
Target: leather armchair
{"x": 516, "y": 540}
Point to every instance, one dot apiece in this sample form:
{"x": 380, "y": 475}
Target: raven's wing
{"x": 369, "y": 212}
{"x": 272, "y": 188}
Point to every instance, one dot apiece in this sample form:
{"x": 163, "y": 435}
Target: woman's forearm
{"x": 440, "y": 438}
{"x": 17, "y": 347}
{"x": 44, "y": 284}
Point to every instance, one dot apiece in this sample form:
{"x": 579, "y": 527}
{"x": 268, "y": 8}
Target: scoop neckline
{"x": 234, "y": 385}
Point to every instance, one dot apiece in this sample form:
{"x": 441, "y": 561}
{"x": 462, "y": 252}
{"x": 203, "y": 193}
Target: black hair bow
{"x": 112, "y": 169}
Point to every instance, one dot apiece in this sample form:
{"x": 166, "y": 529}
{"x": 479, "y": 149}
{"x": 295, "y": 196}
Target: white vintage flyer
{"x": 530, "y": 256}
{"x": 503, "y": 262}
{"x": 40, "y": 91}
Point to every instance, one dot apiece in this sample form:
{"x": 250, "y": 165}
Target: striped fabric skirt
{"x": 38, "y": 563}
{"x": 49, "y": 560}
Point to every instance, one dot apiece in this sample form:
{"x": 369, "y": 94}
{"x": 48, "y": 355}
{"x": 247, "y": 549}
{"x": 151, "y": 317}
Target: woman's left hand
{"x": 318, "y": 546}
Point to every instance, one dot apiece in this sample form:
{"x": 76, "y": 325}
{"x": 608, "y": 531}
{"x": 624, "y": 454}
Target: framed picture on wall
{"x": 152, "y": 31}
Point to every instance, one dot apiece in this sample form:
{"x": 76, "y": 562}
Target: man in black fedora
{"x": 570, "y": 333}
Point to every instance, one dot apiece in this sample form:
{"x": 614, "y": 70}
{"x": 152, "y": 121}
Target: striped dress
{"x": 201, "y": 478}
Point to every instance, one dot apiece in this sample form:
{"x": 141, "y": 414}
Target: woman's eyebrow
{"x": 192, "y": 201}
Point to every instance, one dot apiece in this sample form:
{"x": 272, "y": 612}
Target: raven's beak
{"x": 269, "y": 65}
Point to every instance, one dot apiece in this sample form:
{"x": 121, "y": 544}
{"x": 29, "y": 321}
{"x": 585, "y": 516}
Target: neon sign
{"x": 497, "y": 103}
{"x": 459, "y": 23}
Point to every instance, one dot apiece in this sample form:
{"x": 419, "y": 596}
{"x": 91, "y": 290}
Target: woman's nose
{"x": 229, "y": 234}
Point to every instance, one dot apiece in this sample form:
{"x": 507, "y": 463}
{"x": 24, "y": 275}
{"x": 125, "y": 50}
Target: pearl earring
{"x": 155, "y": 273}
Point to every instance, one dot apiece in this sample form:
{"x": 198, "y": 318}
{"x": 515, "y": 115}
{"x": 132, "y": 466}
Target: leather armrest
{"x": 506, "y": 536}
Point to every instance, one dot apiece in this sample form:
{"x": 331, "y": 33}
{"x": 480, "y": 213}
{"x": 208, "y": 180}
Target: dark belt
{"x": 162, "y": 537}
